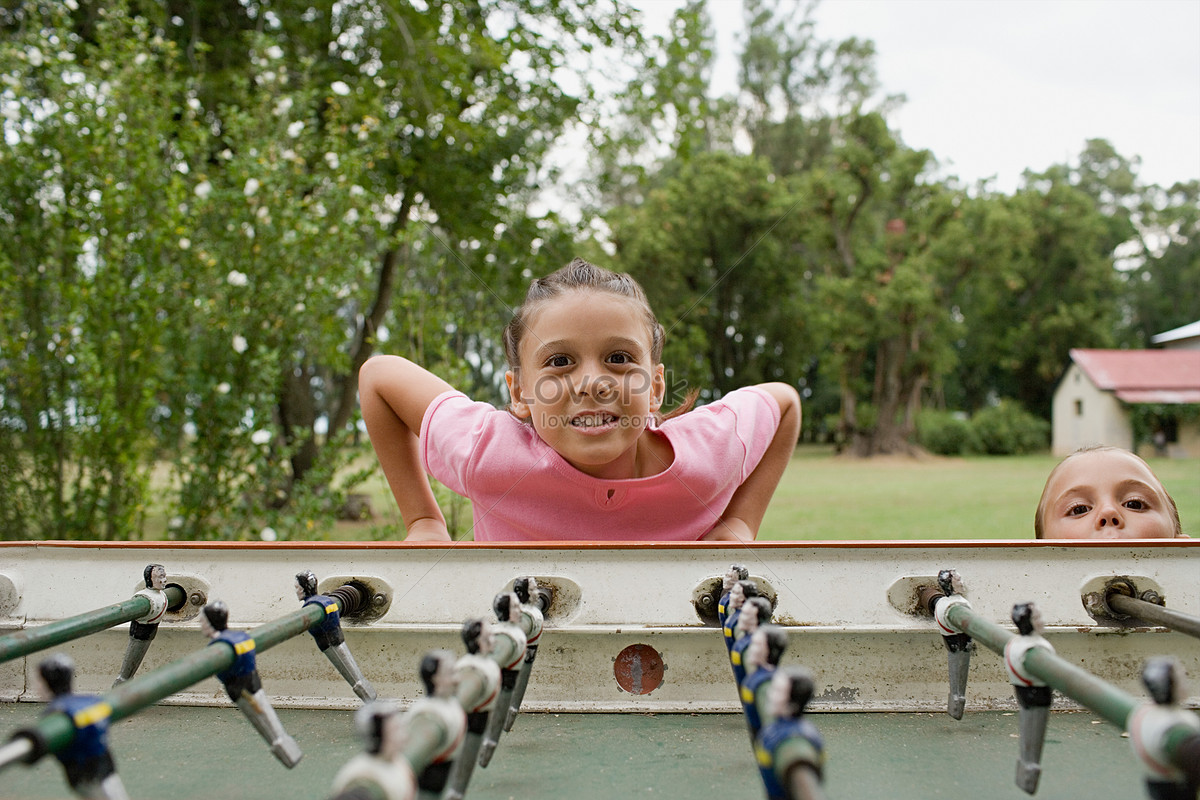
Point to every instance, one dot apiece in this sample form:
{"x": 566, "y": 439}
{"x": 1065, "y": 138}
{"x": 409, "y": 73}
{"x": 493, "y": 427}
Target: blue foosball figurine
{"x": 243, "y": 685}
{"x": 767, "y": 645}
{"x": 790, "y": 751}
{"x": 755, "y": 612}
{"x": 87, "y": 761}
{"x": 742, "y": 590}
{"x": 735, "y": 573}
{"x": 329, "y": 637}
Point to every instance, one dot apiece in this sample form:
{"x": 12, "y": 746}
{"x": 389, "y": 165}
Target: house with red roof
{"x": 1094, "y": 401}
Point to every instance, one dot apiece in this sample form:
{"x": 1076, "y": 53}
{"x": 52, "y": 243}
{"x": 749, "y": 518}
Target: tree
{"x": 1160, "y": 291}
{"x": 91, "y": 185}
{"x": 341, "y": 172}
{"x": 710, "y": 246}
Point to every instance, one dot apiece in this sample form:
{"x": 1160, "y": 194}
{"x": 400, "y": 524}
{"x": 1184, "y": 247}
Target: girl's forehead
{"x": 1104, "y": 467}
{"x": 588, "y": 313}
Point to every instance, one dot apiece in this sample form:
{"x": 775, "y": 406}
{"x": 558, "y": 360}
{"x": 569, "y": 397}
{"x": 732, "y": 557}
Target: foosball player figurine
{"x": 87, "y": 762}
{"x": 735, "y": 573}
{"x": 329, "y": 637}
{"x": 143, "y": 629}
{"x": 789, "y": 750}
{"x": 1033, "y": 696}
{"x": 762, "y": 658}
{"x": 958, "y": 645}
{"x": 509, "y": 653}
{"x": 436, "y": 724}
{"x": 381, "y": 772}
{"x": 755, "y": 611}
{"x": 741, "y": 591}
{"x": 478, "y": 688}
{"x": 531, "y": 620}
{"x": 1148, "y": 727}
{"x": 243, "y": 685}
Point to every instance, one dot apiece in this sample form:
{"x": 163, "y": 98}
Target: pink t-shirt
{"x": 522, "y": 490}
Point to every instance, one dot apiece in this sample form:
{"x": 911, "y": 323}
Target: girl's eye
{"x": 621, "y": 358}
{"x": 558, "y": 361}
{"x": 1077, "y": 510}
{"x": 1135, "y": 505}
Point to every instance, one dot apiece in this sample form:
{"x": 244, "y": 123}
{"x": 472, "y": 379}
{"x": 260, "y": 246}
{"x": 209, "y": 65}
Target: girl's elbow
{"x": 786, "y": 397}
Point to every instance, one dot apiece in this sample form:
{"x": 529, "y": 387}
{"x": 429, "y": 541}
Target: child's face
{"x": 587, "y": 382}
{"x": 1106, "y": 494}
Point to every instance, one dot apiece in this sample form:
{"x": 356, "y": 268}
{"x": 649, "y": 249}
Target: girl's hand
{"x": 427, "y": 530}
{"x": 729, "y": 530}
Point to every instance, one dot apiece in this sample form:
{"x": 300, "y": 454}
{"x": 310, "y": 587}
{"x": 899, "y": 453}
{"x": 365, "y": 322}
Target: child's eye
{"x": 558, "y": 361}
{"x": 1135, "y": 505}
{"x": 1077, "y": 510}
{"x": 620, "y": 358}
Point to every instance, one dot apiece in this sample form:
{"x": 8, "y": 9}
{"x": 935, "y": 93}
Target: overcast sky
{"x": 998, "y": 86}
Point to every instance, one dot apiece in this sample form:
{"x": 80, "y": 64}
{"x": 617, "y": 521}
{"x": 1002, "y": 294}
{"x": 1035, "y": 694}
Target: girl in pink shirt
{"x": 582, "y": 451}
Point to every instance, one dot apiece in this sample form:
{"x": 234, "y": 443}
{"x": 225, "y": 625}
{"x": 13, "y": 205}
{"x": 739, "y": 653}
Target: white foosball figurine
{"x": 1149, "y": 725}
{"x": 436, "y": 724}
{"x": 478, "y": 691}
{"x": 381, "y": 771}
{"x": 143, "y": 629}
{"x": 1033, "y": 696}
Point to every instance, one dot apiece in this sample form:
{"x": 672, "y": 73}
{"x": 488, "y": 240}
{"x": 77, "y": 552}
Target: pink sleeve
{"x": 450, "y": 432}
{"x": 757, "y": 416}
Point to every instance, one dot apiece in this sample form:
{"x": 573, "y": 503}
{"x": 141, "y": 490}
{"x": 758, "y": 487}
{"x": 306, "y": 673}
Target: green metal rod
{"x": 31, "y": 640}
{"x": 1108, "y": 701}
{"x": 138, "y": 693}
{"x": 1133, "y": 607}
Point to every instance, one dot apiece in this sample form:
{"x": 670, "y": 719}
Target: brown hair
{"x": 583, "y": 275}
{"x": 1039, "y": 516}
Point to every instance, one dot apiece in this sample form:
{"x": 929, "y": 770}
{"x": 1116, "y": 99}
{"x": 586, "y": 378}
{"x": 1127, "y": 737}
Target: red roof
{"x": 1144, "y": 376}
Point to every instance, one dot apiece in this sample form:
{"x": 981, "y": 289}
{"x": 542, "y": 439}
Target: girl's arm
{"x": 394, "y": 394}
{"x": 746, "y": 508}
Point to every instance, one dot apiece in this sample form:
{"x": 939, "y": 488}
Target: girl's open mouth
{"x": 593, "y": 421}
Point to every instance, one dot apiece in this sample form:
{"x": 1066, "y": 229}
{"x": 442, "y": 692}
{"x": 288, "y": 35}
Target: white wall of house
{"x": 1082, "y": 416}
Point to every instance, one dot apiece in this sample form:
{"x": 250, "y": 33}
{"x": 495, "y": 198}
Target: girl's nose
{"x": 1109, "y": 516}
{"x": 595, "y": 384}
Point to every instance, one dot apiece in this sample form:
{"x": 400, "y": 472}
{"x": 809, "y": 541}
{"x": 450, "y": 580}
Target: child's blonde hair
{"x": 1039, "y": 516}
{"x": 583, "y": 275}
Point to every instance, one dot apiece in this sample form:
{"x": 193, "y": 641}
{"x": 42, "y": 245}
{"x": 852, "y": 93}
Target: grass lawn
{"x": 823, "y": 496}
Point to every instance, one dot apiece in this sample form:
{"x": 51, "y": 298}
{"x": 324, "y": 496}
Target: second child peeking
{"x": 582, "y": 452}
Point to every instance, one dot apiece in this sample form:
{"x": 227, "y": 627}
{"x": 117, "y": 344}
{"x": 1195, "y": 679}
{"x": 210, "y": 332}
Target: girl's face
{"x": 587, "y": 384}
{"x": 1106, "y": 494}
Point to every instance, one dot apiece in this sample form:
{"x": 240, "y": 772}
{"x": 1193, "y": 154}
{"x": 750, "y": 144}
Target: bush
{"x": 1008, "y": 429}
{"x": 946, "y": 433}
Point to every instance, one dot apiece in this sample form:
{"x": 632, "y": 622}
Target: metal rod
{"x": 16, "y": 750}
{"x": 1150, "y": 612}
{"x": 1108, "y": 701}
{"x": 31, "y": 640}
{"x": 138, "y": 693}
{"x": 803, "y": 784}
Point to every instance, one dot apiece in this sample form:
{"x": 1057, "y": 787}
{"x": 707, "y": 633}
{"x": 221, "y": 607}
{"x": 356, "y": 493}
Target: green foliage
{"x": 946, "y": 433}
{"x": 218, "y": 216}
{"x": 1008, "y": 429}
{"x": 707, "y": 245}
{"x": 91, "y": 183}
{"x": 1148, "y": 418}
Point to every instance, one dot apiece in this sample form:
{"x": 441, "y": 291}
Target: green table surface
{"x": 182, "y": 753}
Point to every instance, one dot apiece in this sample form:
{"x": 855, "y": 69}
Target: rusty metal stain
{"x": 639, "y": 669}
{"x": 845, "y": 694}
